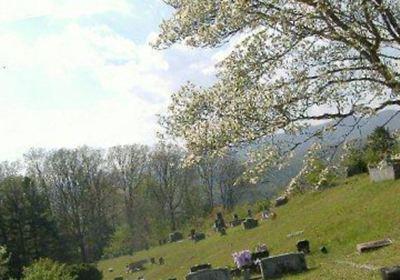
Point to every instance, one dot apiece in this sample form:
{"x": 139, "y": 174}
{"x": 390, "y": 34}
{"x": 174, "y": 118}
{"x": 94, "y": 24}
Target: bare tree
{"x": 78, "y": 195}
{"x": 206, "y": 169}
{"x": 128, "y": 166}
{"x": 171, "y": 178}
{"x": 228, "y": 172}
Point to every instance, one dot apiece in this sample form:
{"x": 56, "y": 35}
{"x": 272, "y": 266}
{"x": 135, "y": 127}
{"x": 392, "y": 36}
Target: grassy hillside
{"x": 354, "y": 212}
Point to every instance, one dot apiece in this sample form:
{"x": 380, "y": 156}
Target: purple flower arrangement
{"x": 242, "y": 258}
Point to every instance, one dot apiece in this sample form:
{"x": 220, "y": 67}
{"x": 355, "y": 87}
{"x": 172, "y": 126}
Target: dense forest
{"x": 79, "y": 205}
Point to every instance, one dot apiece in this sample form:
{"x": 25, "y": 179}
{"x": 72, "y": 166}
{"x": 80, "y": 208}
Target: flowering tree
{"x": 297, "y": 62}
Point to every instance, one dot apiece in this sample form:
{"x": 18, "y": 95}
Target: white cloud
{"x": 63, "y": 65}
{"x": 72, "y": 81}
{"x": 24, "y": 9}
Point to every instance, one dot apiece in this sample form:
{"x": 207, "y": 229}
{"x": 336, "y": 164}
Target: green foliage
{"x": 4, "y": 262}
{"x": 379, "y": 145}
{"x": 320, "y": 175}
{"x": 262, "y": 205}
{"x": 28, "y": 228}
{"x": 354, "y": 161}
{"x": 120, "y": 243}
{"x": 85, "y": 272}
{"x": 355, "y": 211}
{"x": 313, "y": 176}
{"x": 47, "y": 269}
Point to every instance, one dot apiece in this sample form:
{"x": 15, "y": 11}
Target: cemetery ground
{"x": 339, "y": 218}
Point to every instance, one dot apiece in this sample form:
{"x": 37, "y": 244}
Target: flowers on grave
{"x": 242, "y": 258}
{"x": 261, "y": 248}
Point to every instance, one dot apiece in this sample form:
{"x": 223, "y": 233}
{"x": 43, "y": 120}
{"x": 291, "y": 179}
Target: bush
{"x": 46, "y": 269}
{"x": 355, "y": 162}
{"x": 262, "y": 205}
{"x": 4, "y": 262}
{"x": 120, "y": 243}
{"x": 379, "y": 145}
{"x": 85, "y": 272}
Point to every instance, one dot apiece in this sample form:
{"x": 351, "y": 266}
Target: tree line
{"x": 77, "y": 205}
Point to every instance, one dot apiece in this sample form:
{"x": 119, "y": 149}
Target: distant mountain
{"x": 277, "y": 180}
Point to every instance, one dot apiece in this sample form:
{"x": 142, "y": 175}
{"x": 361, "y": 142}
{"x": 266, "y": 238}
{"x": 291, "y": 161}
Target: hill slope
{"x": 354, "y": 212}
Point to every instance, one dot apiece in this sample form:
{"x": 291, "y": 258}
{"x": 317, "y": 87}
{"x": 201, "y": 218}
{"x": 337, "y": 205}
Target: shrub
{"x": 354, "y": 161}
{"x": 4, "y": 262}
{"x": 262, "y": 205}
{"x": 379, "y": 145}
{"x": 85, "y": 272}
{"x": 46, "y": 269}
{"x": 120, "y": 243}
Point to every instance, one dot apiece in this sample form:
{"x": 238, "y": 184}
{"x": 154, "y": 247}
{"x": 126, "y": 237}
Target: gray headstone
{"x": 387, "y": 170}
{"x": 276, "y": 266}
{"x": 175, "y": 236}
{"x": 282, "y": 200}
{"x": 210, "y": 274}
{"x": 200, "y": 267}
{"x": 390, "y": 273}
{"x": 250, "y": 223}
{"x": 303, "y": 246}
{"x": 373, "y": 245}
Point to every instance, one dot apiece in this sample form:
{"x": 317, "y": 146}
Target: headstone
{"x": 355, "y": 170}
{"x": 210, "y": 274}
{"x": 390, "y": 273}
{"x": 282, "y": 200}
{"x": 236, "y": 221}
{"x": 250, "y": 223}
{"x": 200, "y": 267}
{"x": 136, "y": 266}
{"x": 323, "y": 250}
{"x": 303, "y": 246}
{"x": 175, "y": 236}
{"x": 152, "y": 260}
{"x": 236, "y": 272}
{"x": 161, "y": 261}
{"x": 259, "y": 255}
{"x": 247, "y": 274}
{"x": 386, "y": 170}
{"x": 219, "y": 224}
{"x": 373, "y": 245}
{"x": 199, "y": 236}
{"x": 294, "y": 234}
{"x": 196, "y": 236}
{"x": 277, "y": 266}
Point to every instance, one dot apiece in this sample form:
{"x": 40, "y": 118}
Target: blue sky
{"x": 81, "y": 72}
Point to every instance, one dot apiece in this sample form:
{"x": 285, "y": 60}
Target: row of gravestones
{"x": 220, "y": 225}
{"x": 261, "y": 262}
{"x": 275, "y": 267}
{"x": 178, "y": 236}
{"x": 270, "y": 267}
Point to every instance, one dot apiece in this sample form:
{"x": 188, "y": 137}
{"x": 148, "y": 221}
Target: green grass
{"x": 339, "y": 218}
